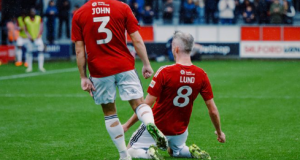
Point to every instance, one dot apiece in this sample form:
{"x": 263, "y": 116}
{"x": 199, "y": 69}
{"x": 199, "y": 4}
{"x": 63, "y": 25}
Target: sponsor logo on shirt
{"x": 99, "y": 4}
{"x": 190, "y": 73}
{"x": 152, "y": 84}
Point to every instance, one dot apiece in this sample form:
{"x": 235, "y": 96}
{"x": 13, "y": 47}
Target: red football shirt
{"x": 176, "y": 87}
{"x": 102, "y": 25}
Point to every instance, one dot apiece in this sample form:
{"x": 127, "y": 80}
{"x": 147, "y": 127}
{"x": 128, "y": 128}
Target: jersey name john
{"x": 101, "y": 10}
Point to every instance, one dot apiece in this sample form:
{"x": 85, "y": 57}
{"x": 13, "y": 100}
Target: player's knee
{"x": 145, "y": 112}
{"x": 170, "y": 151}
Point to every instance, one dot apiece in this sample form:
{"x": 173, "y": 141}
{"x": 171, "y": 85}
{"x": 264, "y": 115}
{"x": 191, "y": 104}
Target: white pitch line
{"x": 37, "y": 74}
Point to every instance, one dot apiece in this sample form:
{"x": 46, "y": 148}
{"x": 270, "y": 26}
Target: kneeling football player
{"x": 173, "y": 89}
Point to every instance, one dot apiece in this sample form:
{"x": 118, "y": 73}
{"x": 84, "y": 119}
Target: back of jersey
{"x": 176, "y": 87}
{"x": 102, "y": 25}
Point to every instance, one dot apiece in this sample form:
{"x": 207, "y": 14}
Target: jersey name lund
{"x": 184, "y": 79}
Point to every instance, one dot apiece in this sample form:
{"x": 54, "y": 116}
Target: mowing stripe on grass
{"x": 38, "y": 74}
{"x": 45, "y": 95}
{"x": 84, "y": 95}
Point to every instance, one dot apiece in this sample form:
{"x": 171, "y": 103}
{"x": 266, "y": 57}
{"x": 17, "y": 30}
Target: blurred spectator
{"x": 13, "y": 32}
{"x": 226, "y": 9}
{"x": 245, "y": 4}
{"x": 64, "y": 7}
{"x": 34, "y": 30}
{"x": 248, "y": 15}
{"x": 137, "y": 7}
{"x": 188, "y": 12}
{"x": 22, "y": 39}
{"x": 276, "y": 12}
{"x": 237, "y": 11}
{"x": 263, "y": 12}
{"x": 168, "y": 12}
{"x": 51, "y": 13}
{"x": 76, "y": 7}
{"x": 211, "y": 11}
{"x": 200, "y": 5}
{"x": 148, "y": 15}
{"x": 39, "y": 6}
{"x": 289, "y": 12}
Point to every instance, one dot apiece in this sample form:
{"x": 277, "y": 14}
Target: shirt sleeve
{"x": 76, "y": 30}
{"x": 132, "y": 25}
{"x": 156, "y": 85}
{"x": 206, "y": 90}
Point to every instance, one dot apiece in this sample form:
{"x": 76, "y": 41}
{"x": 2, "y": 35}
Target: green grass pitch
{"x": 48, "y": 116}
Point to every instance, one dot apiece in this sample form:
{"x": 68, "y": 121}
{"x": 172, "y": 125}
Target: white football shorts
{"x": 141, "y": 139}
{"x": 36, "y": 45}
{"x": 22, "y": 41}
{"x": 128, "y": 83}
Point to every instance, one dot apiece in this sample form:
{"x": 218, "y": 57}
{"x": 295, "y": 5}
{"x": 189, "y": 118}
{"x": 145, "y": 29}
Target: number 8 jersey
{"x": 176, "y": 87}
{"x": 102, "y": 25}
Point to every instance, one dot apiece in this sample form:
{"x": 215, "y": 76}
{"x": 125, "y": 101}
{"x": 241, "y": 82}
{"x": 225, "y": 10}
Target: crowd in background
{"x": 56, "y": 11}
{"x": 184, "y": 11}
{"x": 218, "y": 11}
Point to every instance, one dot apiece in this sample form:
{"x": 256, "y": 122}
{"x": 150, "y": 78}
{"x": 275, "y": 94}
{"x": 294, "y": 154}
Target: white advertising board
{"x": 270, "y": 49}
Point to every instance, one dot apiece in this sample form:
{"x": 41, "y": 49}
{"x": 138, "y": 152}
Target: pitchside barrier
{"x": 52, "y": 52}
{"x": 225, "y": 41}
{"x": 242, "y": 41}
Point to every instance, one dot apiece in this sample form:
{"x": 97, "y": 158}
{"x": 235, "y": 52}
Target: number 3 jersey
{"x": 176, "y": 87}
{"x": 102, "y": 25}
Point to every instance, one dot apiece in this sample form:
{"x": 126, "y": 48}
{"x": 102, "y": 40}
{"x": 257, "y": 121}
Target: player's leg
{"x": 68, "y": 27}
{"x": 40, "y": 47}
{"x": 29, "y": 55}
{"x": 130, "y": 89}
{"x": 19, "y": 52}
{"x": 105, "y": 95}
{"x": 142, "y": 145}
{"x": 178, "y": 148}
{"x": 114, "y": 128}
{"x": 60, "y": 27}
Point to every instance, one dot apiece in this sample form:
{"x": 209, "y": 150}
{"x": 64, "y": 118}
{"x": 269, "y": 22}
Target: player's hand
{"x": 125, "y": 127}
{"x": 87, "y": 85}
{"x": 147, "y": 71}
{"x": 221, "y": 137}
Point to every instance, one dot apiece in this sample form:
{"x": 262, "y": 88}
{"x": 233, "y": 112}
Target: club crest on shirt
{"x": 182, "y": 72}
{"x": 152, "y": 84}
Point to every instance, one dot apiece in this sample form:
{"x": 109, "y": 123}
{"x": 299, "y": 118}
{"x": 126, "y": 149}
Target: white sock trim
{"x": 116, "y": 132}
{"x": 145, "y": 114}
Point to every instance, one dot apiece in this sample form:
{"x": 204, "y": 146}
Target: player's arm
{"x": 41, "y": 29}
{"x": 133, "y": 119}
{"x": 140, "y": 48}
{"x": 86, "y": 84}
{"x": 215, "y": 118}
{"x": 27, "y": 33}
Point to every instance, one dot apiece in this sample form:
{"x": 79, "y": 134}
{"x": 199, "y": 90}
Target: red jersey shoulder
{"x": 199, "y": 70}
{"x": 163, "y": 69}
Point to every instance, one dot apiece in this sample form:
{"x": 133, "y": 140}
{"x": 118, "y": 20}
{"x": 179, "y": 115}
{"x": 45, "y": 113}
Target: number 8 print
{"x": 102, "y": 29}
{"x": 185, "y": 96}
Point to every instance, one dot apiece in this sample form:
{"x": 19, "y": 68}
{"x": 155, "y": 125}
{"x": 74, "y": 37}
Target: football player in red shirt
{"x": 173, "y": 90}
{"x": 99, "y": 29}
